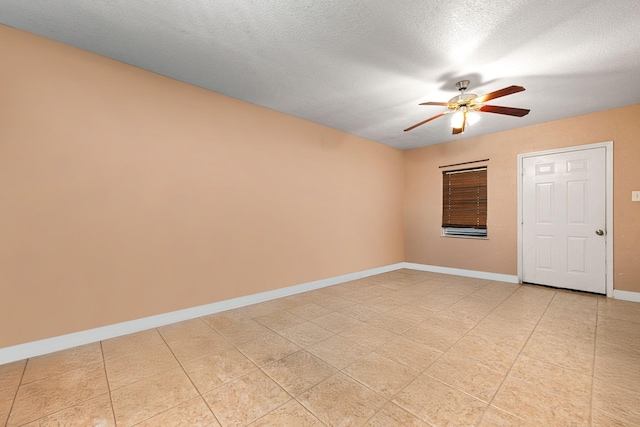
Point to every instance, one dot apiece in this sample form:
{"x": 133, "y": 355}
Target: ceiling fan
{"x": 465, "y": 106}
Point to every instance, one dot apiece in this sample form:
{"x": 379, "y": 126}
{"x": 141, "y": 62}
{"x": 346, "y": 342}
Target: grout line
{"x": 519, "y": 354}
{"x": 593, "y": 369}
{"x": 106, "y": 375}
{"x": 15, "y": 395}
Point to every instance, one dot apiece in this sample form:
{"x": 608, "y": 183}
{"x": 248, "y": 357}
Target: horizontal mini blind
{"x": 464, "y": 199}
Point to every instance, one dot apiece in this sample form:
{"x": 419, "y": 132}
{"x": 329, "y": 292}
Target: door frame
{"x": 608, "y": 146}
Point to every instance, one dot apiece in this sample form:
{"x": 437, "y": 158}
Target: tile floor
{"x": 405, "y": 348}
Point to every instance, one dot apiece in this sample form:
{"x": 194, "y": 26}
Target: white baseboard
{"x": 626, "y": 295}
{"x": 50, "y": 345}
{"x": 465, "y": 273}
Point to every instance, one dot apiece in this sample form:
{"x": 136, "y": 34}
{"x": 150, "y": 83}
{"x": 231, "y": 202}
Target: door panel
{"x": 563, "y": 204}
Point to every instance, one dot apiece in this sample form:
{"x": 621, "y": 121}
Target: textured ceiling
{"x": 363, "y": 66}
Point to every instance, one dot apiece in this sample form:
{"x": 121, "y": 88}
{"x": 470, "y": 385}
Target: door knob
{"x": 599, "y": 232}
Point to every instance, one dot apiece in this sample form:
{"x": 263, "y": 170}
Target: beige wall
{"x": 126, "y": 194}
{"x": 498, "y": 254}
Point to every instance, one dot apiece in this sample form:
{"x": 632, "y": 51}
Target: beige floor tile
{"x": 382, "y": 375}
{"x": 131, "y": 343}
{"x": 368, "y": 335}
{"x": 495, "y": 292}
{"x": 620, "y": 368}
{"x": 245, "y": 331}
{"x": 261, "y": 309}
{"x": 519, "y": 312}
{"x": 360, "y": 312}
{"x": 409, "y": 353}
{"x": 570, "y": 352}
{"x": 575, "y": 301}
{"x": 225, "y": 318}
{"x": 246, "y": 399}
{"x": 598, "y": 419}
{"x": 291, "y": 413}
{"x": 532, "y": 296}
{"x": 617, "y": 309}
{"x": 11, "y": 374}
{"x": 392, "y": 322}
{"x": 334, "y": 303}
{"x": 280, "y": 320}
{"x": 613, "y": 346}
{"x": 620, "y": 351}
{"x": 133, "y": 367}
{"x": 411, "y": 312}
{"x": 616, "y": 402}
{"x": 439, "y": 404}
{"x": 392, "y": 415}
{"x": 617, "y": 330}
{"x": 535, "y": 294}
{"x": 566, "y": 326}
{"x": 310, "y": 311}
{"x": 338, "y": 351}
{"x": 192, "y": 413}
{"x": 438, "y": 337}
{"x": 436, "y": 303}
{"x": 453, "y": 321}
{"x": 384, "y": 303}
{"x": 183, "y": 330}
{"x": 299, "y": 299}
{"x": 360, "y": 295}
{"x": 6, "y": 401}
{"x": 473, "y": 302}
{"x": 144, "y": 399}
{"x": 483, "y": 350}
{"x": 467, "y": 376}
{"x": 267, "y": 350}
{"x": 495, "y": 417}
{"x": 538, "y": 406}
{"x": 199, "y": 346}
{"x": 93, "y": 412}
{"x": 341, "y": 401}
{"x": 299, "y": 371}
{"x": 62, "y": 361}
{"x": 306, "y": 334}
{"x": 570, "y": 313}
{"x": 474, "y": 313}
{"x": 215, "y": 369}
{"x": 336, "y": 322}
{"x": 501, "y": 329}
{"x": 555, "y": 379}
{"x": 54, "y": 393}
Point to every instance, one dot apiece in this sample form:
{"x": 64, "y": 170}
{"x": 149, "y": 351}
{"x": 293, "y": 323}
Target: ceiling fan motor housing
{"x": 462, "y": 85}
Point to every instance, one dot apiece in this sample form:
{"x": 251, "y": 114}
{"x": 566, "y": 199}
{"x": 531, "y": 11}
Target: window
{"x": 464, "y": 202}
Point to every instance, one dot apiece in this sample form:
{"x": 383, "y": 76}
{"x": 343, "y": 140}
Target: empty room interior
{"x": 230, "y": 213}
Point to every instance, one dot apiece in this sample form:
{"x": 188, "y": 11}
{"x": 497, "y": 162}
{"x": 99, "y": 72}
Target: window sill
{"x": 465, "y": 237}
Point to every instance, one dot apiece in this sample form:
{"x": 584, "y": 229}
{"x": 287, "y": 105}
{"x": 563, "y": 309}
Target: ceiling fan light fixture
{"x": 457, "y": 119}
{"x": 472, "y": 117}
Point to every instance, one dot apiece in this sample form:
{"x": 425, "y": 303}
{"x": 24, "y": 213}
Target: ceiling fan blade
{"x": 509, "y": 111}
{"x": 423, "y": 122}
{"x": 460, "y": 130}
{"x": 442, "y": 104}
{"x": 498, "y": 93}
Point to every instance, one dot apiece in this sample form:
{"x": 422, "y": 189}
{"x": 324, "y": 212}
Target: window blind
{"x": 464, "y": 199}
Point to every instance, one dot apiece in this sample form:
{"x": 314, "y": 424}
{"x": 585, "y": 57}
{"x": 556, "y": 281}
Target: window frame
{"x": 469, "y": 203}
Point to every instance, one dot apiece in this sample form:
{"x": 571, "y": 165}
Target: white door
{"x": 563, "y": 220}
